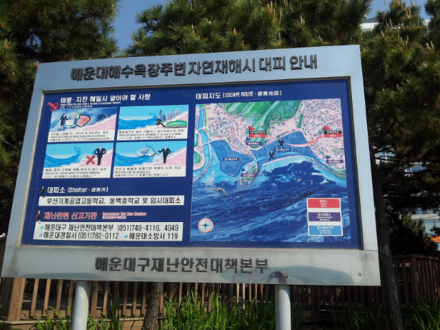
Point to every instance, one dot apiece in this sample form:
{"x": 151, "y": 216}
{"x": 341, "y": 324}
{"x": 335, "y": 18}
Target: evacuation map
{"x": 256, "y": 165}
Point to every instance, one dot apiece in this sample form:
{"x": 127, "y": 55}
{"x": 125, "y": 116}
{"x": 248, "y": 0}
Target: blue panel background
{"x": 299, "y": 90}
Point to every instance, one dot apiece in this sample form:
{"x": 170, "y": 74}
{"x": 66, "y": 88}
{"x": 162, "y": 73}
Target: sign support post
{"x": 282, "y": 307}
{"x": 81, "y": 305}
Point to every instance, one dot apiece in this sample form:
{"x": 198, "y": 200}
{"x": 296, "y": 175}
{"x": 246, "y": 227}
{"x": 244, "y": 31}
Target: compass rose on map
{"x": 206, "y": 225}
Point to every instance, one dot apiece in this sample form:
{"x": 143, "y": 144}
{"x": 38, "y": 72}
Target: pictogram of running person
{"x": 38, "y": 216}
{"x": 281, "y": 143}
{"x": 99, "y": 152}
{"x": 42, "y": 191}
{"x": 165, "y": 151}
{"x": 272, "y": 154}
{"x": 159, "y": 122}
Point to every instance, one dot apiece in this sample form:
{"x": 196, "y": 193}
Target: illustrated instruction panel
{"x": 259, "y": 165}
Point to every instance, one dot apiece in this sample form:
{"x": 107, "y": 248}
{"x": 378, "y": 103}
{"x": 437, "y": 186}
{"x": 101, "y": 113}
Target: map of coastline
{"x": 301, "y": 122}
{"x": 253, "y": 155}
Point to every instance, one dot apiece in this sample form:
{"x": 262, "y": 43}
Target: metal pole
{"x": 282, "y": 307}
{"x": 81, "y": 305}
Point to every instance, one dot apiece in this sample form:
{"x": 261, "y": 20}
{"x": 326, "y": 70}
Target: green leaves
{"x": 191, "y": 315}
{"x": 401, "y": 76}
{"x": 183, "y": 27}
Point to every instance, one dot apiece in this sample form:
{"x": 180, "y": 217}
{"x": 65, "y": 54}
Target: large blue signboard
{"x": 226, "y": 167}
{"x": 246, "y": 165}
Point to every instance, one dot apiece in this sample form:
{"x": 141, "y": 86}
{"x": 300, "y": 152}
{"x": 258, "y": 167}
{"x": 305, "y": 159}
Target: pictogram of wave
{"x": 121, "y": 160}
{"x": 50, "y": 161}
{"x": 99, "y": 118}
{"x": 133, "y": 123}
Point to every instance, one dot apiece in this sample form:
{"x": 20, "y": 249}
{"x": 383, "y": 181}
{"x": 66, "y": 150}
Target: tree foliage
{"x": 402, "y": 89}
{"x": 199, "y": 26}
{"x": 32, "y": 32}
{"x": 408, "y": 236}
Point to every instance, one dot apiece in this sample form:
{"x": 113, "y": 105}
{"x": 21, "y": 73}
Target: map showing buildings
{"x": 267, "y": 159}
{"x": 245, "y": 134}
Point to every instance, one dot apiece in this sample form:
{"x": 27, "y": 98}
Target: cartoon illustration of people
{"x": 42, "y": 191}
{"x": 165, "y": 152}
{"x": 159, "y": 122}
{"x": 99, "y": 152}
{"x": 76, "y": 116}
{"x": 272, "y": 154}
{"x": 63, "y": 120}
{"x": 281, "y": 143}
{"x": 38, "y": 216}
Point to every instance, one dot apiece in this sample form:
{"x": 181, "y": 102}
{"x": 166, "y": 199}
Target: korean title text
{"x": 197, "y": 68}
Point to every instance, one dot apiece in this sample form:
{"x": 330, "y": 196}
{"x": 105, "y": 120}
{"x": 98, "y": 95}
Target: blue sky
{"x": 125, "y": 23}
{"x": 144, "y": 112}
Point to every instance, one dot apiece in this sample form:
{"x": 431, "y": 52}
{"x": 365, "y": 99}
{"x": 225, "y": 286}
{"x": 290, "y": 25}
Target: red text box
{"x": 321, "y": 203}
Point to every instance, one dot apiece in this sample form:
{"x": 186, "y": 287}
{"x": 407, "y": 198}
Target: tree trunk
{"x": 385, "y": 257}
{"x": 153, "y": 306}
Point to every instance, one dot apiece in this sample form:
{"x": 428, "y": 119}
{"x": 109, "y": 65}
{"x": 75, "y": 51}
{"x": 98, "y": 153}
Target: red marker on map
{"x": 329, "y": 133}
{"x": 255, "y": 133}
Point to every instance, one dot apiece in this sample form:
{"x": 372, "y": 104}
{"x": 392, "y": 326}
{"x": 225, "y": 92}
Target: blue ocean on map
{"x": 96, "y": 115}
{"x": 57, "y": 162}
{"x": 137, "y": 123}
{"x": 270, "y": 207}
